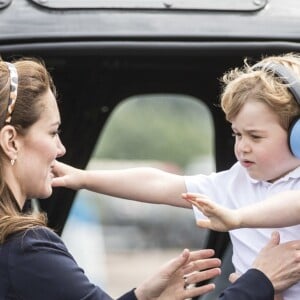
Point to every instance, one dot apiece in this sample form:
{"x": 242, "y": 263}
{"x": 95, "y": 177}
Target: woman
{"x": 34, "y": 262}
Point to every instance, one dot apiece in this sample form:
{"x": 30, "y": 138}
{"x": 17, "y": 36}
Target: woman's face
{"x": 39, "y": 148}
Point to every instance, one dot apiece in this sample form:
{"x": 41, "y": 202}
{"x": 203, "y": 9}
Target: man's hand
{"x": 280, "y": 262}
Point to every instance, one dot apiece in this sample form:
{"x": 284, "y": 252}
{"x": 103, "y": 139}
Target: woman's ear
{"x": 8, "y": 141}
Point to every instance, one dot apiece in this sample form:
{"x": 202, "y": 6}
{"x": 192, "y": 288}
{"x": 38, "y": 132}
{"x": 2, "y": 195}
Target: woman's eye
{"x": 56, "y": 132}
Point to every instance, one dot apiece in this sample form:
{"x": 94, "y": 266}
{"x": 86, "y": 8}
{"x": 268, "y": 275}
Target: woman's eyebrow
{"x": 57, "y": 123}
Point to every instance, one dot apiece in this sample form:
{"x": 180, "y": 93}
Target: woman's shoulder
{"x": 36, "y": 261}
{"x": 36, "y": 247}
{"x": 40, "y": 232}
{"x": 36, "y": 237}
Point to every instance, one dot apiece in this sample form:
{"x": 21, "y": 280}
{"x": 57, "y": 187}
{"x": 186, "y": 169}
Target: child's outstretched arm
{"x": 140, "y": 184}
{"x": 279, "y": 210}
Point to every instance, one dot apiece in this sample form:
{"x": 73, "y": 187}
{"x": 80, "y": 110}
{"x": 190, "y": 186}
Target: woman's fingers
{"x": 200, "y": 276}
{"x": 191, "y": 280}
{"x": 202, "y": 264}
{"x": 196, "y": 291}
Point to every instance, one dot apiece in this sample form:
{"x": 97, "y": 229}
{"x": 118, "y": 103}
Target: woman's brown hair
{"x": 33, "y": 82}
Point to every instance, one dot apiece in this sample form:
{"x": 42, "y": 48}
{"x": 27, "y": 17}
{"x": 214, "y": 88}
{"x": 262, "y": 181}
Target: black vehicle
{"x": 102, "y": 52}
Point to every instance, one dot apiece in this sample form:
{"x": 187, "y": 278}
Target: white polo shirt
{"x": 234, "y": 188}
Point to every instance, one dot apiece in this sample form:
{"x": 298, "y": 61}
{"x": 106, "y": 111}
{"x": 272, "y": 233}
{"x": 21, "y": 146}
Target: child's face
{"x": 261, "y": 144}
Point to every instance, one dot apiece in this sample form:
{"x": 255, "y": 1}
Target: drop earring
{"x": 12, "y": 161}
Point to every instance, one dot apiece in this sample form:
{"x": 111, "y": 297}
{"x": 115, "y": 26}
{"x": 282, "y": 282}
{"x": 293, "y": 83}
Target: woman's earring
{"x": 12, "y": 161}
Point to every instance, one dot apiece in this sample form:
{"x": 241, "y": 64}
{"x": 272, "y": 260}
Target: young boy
{"x": 261, "y": 108}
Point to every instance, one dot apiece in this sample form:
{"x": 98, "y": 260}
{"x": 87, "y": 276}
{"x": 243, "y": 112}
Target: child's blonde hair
{"x": 259, "y": 84}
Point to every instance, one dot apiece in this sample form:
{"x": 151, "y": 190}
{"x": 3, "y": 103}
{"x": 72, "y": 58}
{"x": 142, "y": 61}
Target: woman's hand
{"x": 219, "y": 218}
{"x": 175, "y": 280}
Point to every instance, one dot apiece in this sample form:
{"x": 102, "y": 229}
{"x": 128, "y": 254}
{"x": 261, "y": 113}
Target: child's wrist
{"x": 237, "y": 220}
{"x": 82, "y": 179}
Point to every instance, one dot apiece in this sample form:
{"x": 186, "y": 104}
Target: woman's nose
{"x": 61, "y": 149}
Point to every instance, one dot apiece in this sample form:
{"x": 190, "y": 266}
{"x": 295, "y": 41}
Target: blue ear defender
{"x": 294, "y": 137}
{"x": 293, "y": 83}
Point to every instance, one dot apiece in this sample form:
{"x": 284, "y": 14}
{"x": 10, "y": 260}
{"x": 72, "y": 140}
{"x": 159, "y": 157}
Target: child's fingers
{"x": 199, "y": 206}
{"x": 205, "y": 206}
{"x": 204, "y": 223}
{"x": 199, "y": 198}
{"x": 194, "y": 196}
{"x": 58, "y": 182}
{"x": 194, "y": 202}
{"x": 195, "y": 199}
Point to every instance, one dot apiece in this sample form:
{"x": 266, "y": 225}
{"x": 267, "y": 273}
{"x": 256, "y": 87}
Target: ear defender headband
{"x": 293, "y": 82}
{"x": 13, "y": 74}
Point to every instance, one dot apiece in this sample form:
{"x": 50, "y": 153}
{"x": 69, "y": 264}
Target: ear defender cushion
{"x": 294, "y": 137}
{"x": 287, "y": 76}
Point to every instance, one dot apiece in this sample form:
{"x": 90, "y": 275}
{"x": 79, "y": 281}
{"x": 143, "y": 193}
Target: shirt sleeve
{"x": 40, "y": 267}
{"x": 128, "y": 296}
{"x": 252, "y": 285}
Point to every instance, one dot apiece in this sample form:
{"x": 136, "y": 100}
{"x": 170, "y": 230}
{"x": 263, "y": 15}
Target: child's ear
{"x": 8, "y": 141}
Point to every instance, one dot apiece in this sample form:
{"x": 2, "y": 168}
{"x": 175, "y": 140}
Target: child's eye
{"x": 235, "y": 134}
{"x": 256, "y": 137}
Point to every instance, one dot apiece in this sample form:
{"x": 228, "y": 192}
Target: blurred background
{"x": 120, "y": 242}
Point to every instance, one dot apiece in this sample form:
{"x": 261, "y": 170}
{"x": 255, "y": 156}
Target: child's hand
{"x": 66, "y": 176}
{"x": 219, "y": 217}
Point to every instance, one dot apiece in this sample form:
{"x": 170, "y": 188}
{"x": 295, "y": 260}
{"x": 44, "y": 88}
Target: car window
{"x": 170, "y": 132}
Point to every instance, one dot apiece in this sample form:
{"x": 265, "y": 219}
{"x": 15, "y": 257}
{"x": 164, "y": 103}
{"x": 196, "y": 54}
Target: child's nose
{"x": 244, "y": 145}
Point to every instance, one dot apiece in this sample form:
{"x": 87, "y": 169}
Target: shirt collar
{"x": 294, "y": 174}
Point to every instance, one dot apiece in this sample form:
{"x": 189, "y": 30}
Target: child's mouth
{"x": 247, "y": 163}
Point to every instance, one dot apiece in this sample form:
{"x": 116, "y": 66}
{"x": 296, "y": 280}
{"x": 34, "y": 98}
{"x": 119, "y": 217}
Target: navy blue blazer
{"x": 252, "y": 285}
{"x": 36, "y": 265}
